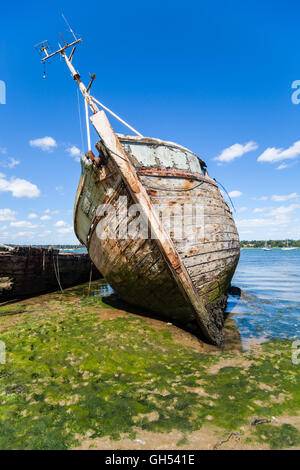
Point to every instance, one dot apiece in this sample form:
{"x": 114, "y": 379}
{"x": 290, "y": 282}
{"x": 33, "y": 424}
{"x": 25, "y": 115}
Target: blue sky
{"x": 213, "y": 76}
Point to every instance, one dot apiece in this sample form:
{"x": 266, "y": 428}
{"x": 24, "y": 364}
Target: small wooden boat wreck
{"x": 184, "y": 279}
{"x": 27, "y": 271}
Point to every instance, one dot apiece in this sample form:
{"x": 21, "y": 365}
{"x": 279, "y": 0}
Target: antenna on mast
{"x": 44, "y": 50}
{"x": 70, "y": 29}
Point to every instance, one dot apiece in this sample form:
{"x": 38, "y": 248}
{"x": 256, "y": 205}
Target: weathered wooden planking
{"x": 136, "y": 268}
{"x": 202, "y": 254}
{"x": 162, "y": 239}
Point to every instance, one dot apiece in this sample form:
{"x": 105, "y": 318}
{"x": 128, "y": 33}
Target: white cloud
{"x": 258, "y": 210}
{"x": 74, "y": 152}
{"x": 284, "y": 198}
{"x": 18, "y": 187}
{"x": 282, "y": 166}
{"x": 3, "y": 150}
{"x": 235, "y": 151}
{"x": 60, "y": 190}
{"x": 32, "y": 216}
{"x": 273, "y": 154}
{"x": 49, "y": 211}
{"x": 23, "y": 224}
{"x": 282, "y": 210}
{"x": 7, "y": 214}
{"x": 29, "y": 235}
{"x": 261, "y": 222}
{"x": 46, "y": 217}
{"x": 253, "y": 222}
{"x": 47, "y": 144}
{"x": 262, "y": 198}
{"x": 233, "y": 194}
{"x": 60, "y": 223}
{"x": 275, "y": 217}
{"x": 245, "y": 232}
{"x": 11, "y": 163}
{"x": 65, "y": 230}
{"x": 242, "y": 209}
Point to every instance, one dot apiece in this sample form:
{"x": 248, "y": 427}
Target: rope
{"x": 227, "y": 194}
{"x": 116, "y": 116}
{"x": 176, "y": 190}
{"x": 91, "y": 273}
{"x": 56, "y": 270}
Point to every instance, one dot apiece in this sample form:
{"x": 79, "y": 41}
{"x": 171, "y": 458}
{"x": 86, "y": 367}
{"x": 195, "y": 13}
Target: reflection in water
{"x": 103, "y": 289}
{"x": 269, "y": 306}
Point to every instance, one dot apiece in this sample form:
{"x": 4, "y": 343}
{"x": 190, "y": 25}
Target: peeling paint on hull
{"x": 137, "y": 269}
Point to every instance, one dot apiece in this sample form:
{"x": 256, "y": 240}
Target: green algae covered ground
{"x": 81, "y": 373}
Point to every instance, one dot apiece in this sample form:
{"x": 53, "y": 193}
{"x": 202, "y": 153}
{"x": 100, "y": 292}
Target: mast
{"x": 74, "y": 73}
{"x": 90, "y": 100}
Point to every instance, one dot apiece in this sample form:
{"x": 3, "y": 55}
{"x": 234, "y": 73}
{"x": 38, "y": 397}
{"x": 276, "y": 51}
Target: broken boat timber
{"x": 184, "y": 280}
{"x": 28, "y": 271}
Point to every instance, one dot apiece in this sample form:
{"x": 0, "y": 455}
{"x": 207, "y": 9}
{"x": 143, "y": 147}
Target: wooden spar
{"x": 140, "y": 196}
{"x": 87, "y": 126}
{"x": 9, "y": 248}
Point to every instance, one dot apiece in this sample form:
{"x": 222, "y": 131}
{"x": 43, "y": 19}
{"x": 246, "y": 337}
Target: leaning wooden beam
{"x": 141, "y": 197}
{"x": 6, "y": 247}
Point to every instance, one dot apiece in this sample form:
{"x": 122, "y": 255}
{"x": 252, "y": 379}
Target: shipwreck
{"x": 27, "y": 271}
{"x": 182, "y": 277}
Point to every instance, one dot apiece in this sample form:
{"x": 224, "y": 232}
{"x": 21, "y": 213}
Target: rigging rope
{"x": 56, "y": 270}
{"x": 91, "y": 273}
{"x": 227, "y": 194}
{"x": 116, "y": 116}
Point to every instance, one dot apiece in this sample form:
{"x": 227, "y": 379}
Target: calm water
{"x": 270, "y": 304}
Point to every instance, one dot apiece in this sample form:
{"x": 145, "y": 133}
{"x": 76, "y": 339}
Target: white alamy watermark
{"x": 2, "y": 92}
{"x": 2, "y": 353}
{"x": 296, "y": 353}
{"x": 124, "y": 220}
{"x": 296, "y": 94}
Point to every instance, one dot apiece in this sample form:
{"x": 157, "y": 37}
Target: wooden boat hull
{"x": 135, "y": 267}
{"x": 30, "y": 271}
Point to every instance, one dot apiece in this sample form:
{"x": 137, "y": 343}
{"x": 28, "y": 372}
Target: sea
{"x": 269, "y": 307}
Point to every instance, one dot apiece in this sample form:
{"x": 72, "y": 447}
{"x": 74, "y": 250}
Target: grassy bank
{"x": 83, "y": 373}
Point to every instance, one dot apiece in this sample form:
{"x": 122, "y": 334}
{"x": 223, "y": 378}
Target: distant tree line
{"x": 271, "y": 243}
